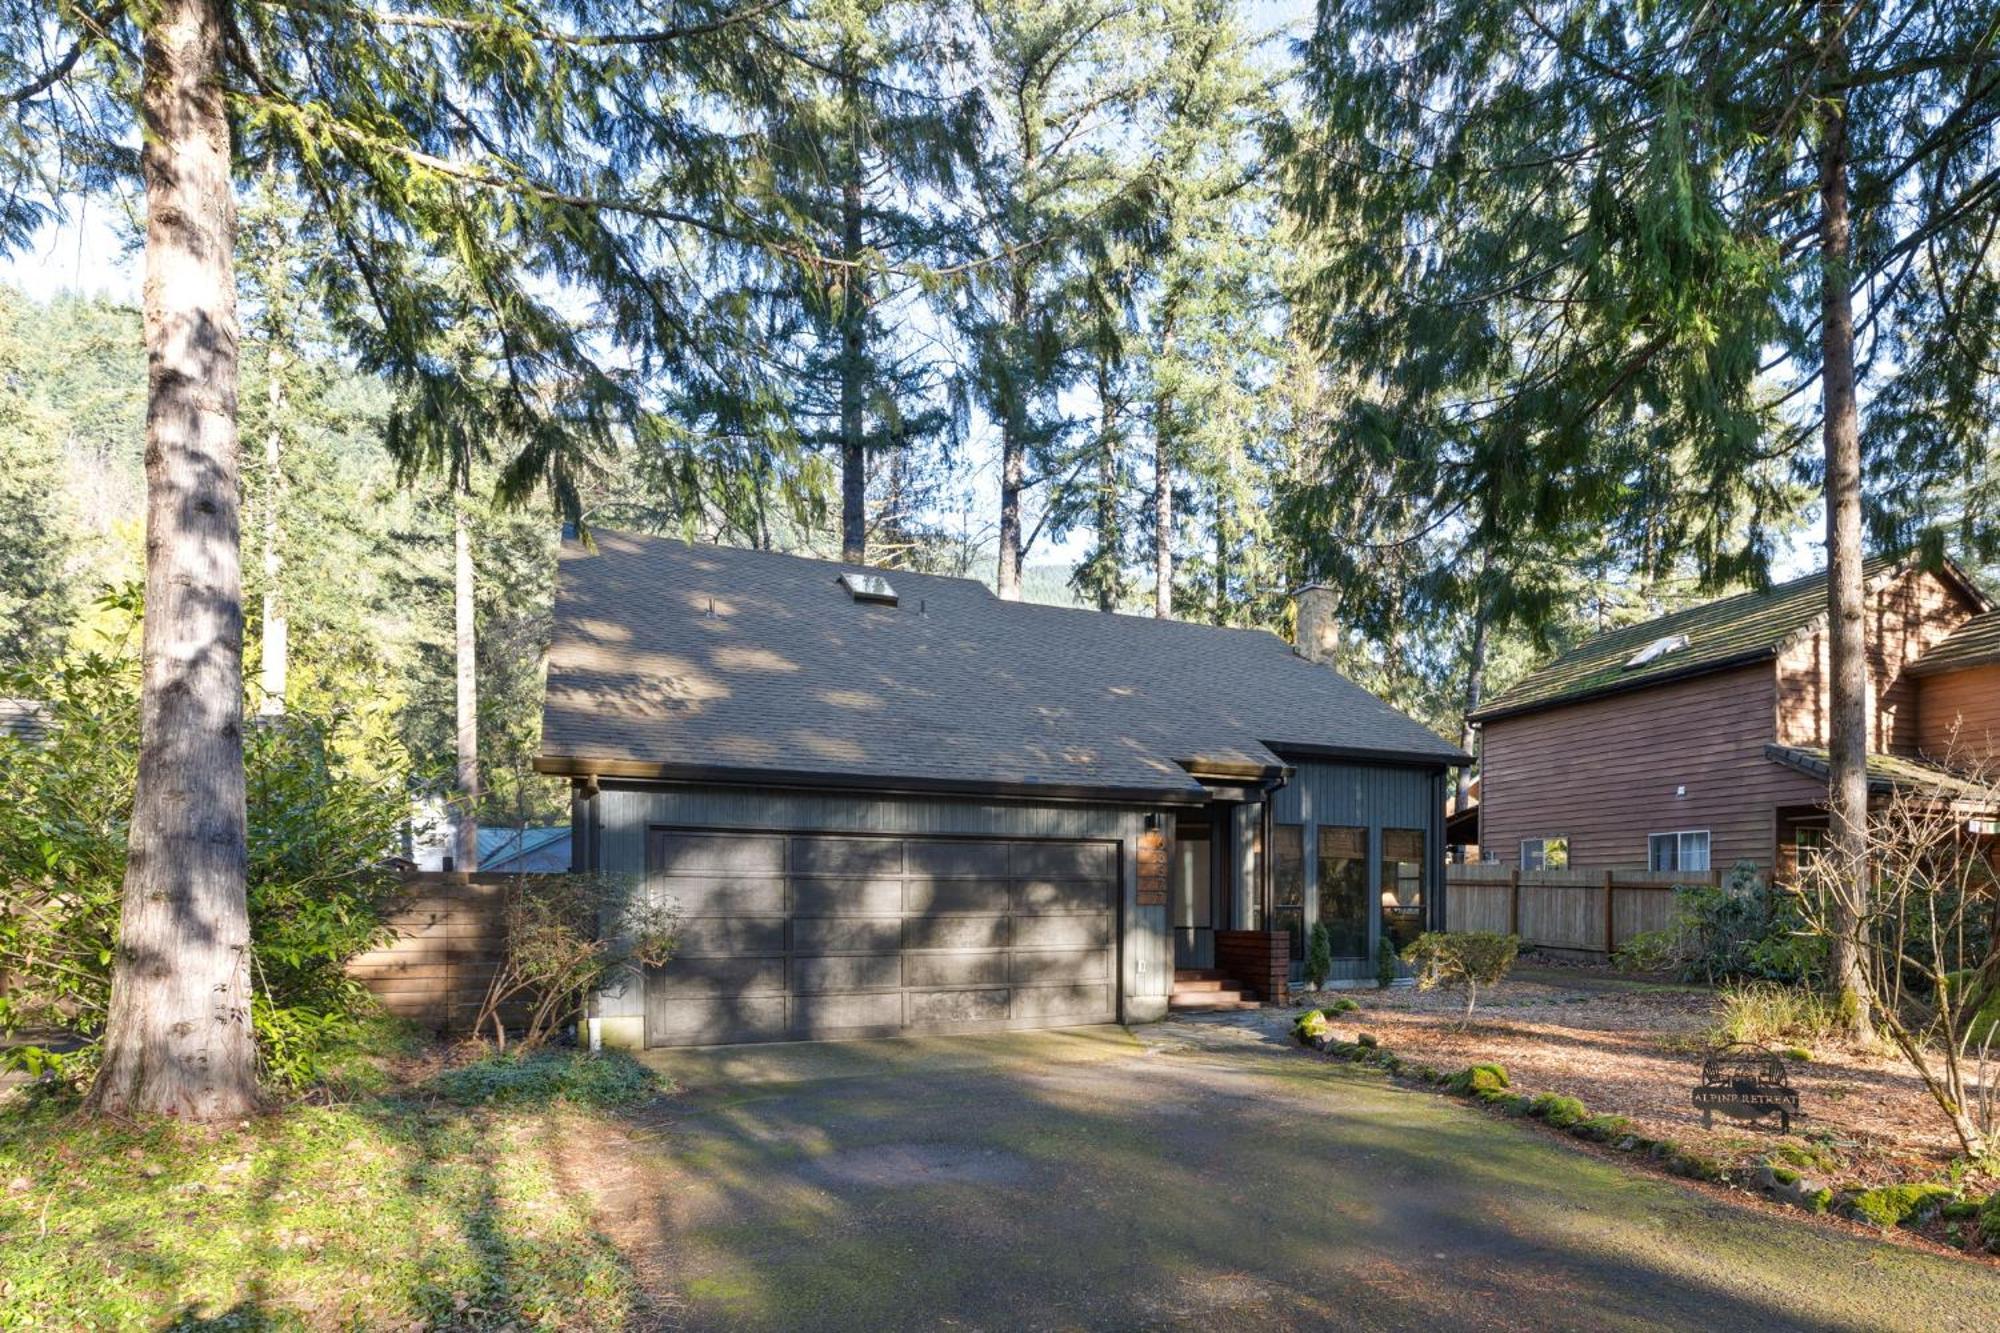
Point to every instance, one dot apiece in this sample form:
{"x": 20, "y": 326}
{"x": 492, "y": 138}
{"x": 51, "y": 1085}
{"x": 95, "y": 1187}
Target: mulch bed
{"x": 1635, "y": 1050}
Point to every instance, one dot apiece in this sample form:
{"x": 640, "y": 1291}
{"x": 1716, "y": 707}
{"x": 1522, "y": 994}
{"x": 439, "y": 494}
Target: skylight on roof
{"x": 1657, "y": 649}
{"x": 868, "y": 588}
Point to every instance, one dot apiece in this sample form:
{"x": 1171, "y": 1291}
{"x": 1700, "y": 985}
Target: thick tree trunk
{"x": 1847, "y": 712}
{"x": 178, "y": 1038}
{"x": 1163, "y": 485}
{"x": 466, "y": 652}
{"x": 853, "y": 443}
{"x": 1013, "y": 462}
{"x": 1223, "y": 537}
{"x": 1475, "y": 677}
{"x": 277, "y": 632}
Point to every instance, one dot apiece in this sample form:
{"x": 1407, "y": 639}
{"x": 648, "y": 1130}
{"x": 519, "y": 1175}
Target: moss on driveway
{"x": 1093, "y": 1180}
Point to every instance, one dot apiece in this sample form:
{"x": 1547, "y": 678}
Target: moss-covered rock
{"x": 1559, "y": 1111}
{"x": 1477, "y": 1079}
{"x": 1602, "y": 1128}
{"x": 1989, "y": 1222}
{"x": 1692, "y": 1165}
{"x": 1819, "y": 1200}
{"x": 1898, "y": 1205}
{"x": 1310, "y": 1026}
{"x": 1367, "y": 1039}
{"x": 1343, "y": 1005}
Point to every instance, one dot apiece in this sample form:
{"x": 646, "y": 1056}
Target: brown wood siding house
{"x": 1705, "y": 723}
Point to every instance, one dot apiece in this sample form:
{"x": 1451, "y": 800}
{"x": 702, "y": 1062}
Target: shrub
{"x": 1559, "y": 1111}
{"x": 1769, "y": 1011}
{"x": 542, "y": 1077}
{"x": 326, "y": 794}
{"x": 565, "y": 936}
{"x": 1470, "y": 959}
{"x": 1897, "y": 1205}
{"x": 1743, "y": 928}
{"x": 1989, "y": 1221}
{"x": 1385, "y": 963}
{"x": 1319, "y": 956}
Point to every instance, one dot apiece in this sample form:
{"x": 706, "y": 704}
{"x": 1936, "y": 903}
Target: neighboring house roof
{"x": 705, "y": 662}
{"x": 1749, "y": 627}
{"x": 25, "y": 720}
{"x": 1886, "y": 773}
{"x": 500, "y": 845}
{"x": 1975, "y": 643}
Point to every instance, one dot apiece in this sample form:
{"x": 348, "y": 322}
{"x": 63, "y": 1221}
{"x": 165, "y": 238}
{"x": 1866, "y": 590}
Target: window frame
{"x": 1541, "y": 861}
{"x": 1680, "y": 853}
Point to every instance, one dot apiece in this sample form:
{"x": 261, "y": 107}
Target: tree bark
{"x": 1109, "y": 543}
{"x": 853, "y": 442}
{"x": 1163, "y": 482}
{"x": 1475, "y": 676}
{"x": 466, "y": 652}
{"x": 178, "y": 1037}
{"x": 1013, "y": 460}
{"x": 1223, "y": 536}
{"x": 1847, "y": 711}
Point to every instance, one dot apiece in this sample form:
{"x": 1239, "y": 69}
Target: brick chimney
{"x": 1318, "y": 631}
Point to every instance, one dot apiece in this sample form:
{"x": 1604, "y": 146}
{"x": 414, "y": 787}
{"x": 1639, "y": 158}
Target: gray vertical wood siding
{"x": 622, "y": 813}
{"x": 1374, "y": 797}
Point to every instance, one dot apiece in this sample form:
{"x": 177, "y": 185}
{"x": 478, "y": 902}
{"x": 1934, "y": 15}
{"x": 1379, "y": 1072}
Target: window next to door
{"x": 1678, "y": 851}
{"x": 1545, "y": 853}
{"x": 1403, "y": 863}
{"x": 1343, "y": 889}
{"x": 1288, "y": 883}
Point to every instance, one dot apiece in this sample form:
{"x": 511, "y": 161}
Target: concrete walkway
{"x": 1194, "y": 1176}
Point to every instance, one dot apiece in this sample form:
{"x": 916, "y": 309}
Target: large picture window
{"x": 1403, "y": 875}
{"x": 1343, "y": 889}
{"x": 1678, "y": 851}
{"x": 1288, "y": 884}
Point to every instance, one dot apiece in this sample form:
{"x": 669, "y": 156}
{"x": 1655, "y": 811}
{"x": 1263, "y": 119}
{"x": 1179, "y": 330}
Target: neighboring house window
{"x": 1403, "y": 878}
{"x": 1678, "y": 851}
{"x": 1288, "y": 883}
{"x": 1343, "y": 889}
{"x": 1545, "y": 853}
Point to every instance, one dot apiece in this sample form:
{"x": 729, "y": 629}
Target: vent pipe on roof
{"x": 1317, "y": 633}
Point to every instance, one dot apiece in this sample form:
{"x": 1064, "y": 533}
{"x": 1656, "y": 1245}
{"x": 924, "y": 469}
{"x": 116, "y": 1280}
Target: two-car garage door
{"x": 790, "y": 936}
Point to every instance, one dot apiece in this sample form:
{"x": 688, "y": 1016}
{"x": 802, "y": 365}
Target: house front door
{"x": 1192, "y": 899}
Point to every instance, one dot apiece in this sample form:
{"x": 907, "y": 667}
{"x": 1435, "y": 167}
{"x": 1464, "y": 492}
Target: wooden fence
{"x": 447, "y": 946}
{"x": 1591, "y": 911}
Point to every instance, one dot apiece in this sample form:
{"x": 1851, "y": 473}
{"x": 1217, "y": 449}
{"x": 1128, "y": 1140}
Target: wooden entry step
{"x": 1205, "y": 990}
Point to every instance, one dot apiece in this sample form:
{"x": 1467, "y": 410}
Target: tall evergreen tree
{"x": 471, "y": 166}
{"x": 1602, "y": 255}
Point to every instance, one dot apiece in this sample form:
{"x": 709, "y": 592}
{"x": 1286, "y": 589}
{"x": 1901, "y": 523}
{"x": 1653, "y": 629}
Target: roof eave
{"x": 583, "y": 766}
{"x": 1442, "y": 758}
{"x": 1499, "y": 709}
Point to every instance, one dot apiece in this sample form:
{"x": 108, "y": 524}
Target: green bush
{"x": 1559, "y": 1111}
{"x": 1386, "y": 970}
{"x": 546, "y": 1076}
{"x": 1468, "y": 959}
{"x": 326, "y": 795}
{"x": 1319, "y": 956}
{"x": 1896, "y": 1205}
{"x": 1742, "y": 929}
{"x": 1989, "y": 1221}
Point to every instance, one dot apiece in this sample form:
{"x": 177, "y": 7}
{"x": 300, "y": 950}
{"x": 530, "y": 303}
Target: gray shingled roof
{"x": 713, "y": 660}
{"x": 1729, "y": 632}
{"x": 1975, "y": 643}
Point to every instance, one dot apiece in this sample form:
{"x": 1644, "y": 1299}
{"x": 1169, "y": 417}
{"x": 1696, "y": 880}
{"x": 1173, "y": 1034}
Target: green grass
{"x": 547, "y": 1078}
{"x": 391, "y": 1210}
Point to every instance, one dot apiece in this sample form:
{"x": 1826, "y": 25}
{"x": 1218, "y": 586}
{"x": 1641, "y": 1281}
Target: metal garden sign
{"x": 1745, "y": 1081}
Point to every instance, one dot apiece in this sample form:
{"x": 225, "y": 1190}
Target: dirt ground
{"x": 1634, "y": 1048}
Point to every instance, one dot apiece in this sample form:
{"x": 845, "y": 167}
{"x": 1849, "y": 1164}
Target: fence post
{"x": 1610, "y": 923}
{"x": 1514, "y": 901}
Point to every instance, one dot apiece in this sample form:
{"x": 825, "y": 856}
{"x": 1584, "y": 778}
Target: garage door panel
{"x": 742, "y": 976}
{"x": 928, "y": 897}
{"x": 1063, "y": 860}
{"x": 826, "y": 1015}
{"x": 795, "y": 935}
{"x": 847, "y": 856}
{"x": 700, "y": 1020}
{"x": 847, "y": 972}
{"x": 947, "y": 1007}
{"x": 1059, "y": 966}
{"x": 713, "y": 895}
{"x": 959, "y": 860}
{"x": 848, "y": 934}
{"x": 1078, "y": 1002}
{"x": 955, "y": 932}
{"x": 696, "y": 853}
{"x": 847, "y": 897}
{"x": 730, "y": 936}
{"x": 1062, "y": 932}
{"x": 955, "y": 969}
{"x": 1033, "y": 896}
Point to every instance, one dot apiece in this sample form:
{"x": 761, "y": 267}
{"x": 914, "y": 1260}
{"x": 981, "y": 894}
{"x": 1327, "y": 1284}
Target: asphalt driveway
{"x": 1194, "y": 1176}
